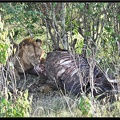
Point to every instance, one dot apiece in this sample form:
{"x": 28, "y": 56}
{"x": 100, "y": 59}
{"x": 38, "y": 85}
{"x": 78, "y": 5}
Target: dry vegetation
{"x": 41, "y": 101}
{"x": 56, "y": 104}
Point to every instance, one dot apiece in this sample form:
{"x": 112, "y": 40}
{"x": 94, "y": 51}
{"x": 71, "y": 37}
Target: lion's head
{"x": 29, "y": 54}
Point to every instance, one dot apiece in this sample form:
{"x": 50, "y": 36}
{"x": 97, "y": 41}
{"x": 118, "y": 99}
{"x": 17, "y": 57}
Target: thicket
{"x": 92, "y": 29}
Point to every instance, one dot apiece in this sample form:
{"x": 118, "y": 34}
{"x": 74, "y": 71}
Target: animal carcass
{"x": 71, "y": 72}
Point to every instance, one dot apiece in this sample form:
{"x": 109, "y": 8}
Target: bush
{"x": 19, "y": 107}
{"x": 5, "y": 50}
{"x": 11, "y": 105}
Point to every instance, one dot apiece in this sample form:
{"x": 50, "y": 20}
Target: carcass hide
{"x": 71, "y": 73}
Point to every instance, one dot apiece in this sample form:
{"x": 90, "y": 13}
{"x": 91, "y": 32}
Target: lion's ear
{"x": 24, "y": 46}
{"x": 39, "y": 42}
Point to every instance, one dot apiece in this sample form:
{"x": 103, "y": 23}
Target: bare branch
{"x": 110, "y": 80}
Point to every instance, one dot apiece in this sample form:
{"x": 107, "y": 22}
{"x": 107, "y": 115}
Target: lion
{"x": 27, "y": 55}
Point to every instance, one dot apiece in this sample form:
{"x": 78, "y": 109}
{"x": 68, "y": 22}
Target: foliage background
{"x": 88, "y": 28}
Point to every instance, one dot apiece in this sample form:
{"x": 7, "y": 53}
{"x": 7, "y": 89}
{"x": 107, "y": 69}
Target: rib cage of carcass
{"x": 71, "y": 73}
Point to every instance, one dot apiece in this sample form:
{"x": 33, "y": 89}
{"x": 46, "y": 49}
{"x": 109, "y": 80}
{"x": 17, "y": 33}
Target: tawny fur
{"x": 28, "y": 54}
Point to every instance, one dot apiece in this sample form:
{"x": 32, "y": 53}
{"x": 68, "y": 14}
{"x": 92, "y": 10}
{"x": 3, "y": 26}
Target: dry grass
{"x": 56, "y": 105}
